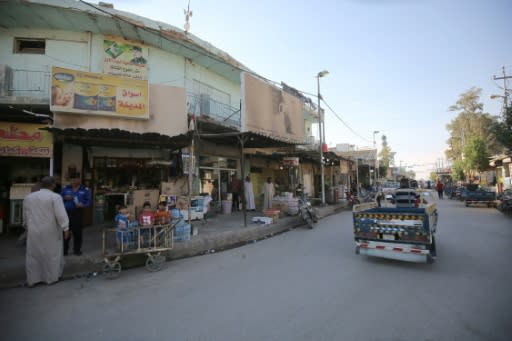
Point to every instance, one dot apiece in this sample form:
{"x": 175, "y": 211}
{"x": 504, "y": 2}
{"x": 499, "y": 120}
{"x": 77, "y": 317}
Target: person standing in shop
{"x": 76, "y": 198}
{"x": 268, "y": 193}
{"x": 235, "y": 189}
{"x": 249, "y": 194}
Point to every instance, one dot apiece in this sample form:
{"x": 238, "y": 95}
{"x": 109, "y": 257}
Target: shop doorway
{"x": 215, "y": 182}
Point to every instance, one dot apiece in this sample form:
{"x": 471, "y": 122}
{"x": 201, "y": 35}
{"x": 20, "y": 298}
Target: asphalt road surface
{"x": 301, "y": 285}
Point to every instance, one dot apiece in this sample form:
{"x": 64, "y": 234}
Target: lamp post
{"x": 375, "y": 161}
{"x": 322, "y": 188}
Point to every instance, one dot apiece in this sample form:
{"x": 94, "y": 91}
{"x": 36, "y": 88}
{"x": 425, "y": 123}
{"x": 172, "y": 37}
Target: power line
{"x": 344, "y": 123}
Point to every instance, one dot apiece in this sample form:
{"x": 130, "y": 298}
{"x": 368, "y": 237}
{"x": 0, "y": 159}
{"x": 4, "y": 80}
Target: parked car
{"x": 505, "y": 201}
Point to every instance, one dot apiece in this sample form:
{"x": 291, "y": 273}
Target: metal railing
{"x": 203, "y": 105}
{"x": 28, "y": 83}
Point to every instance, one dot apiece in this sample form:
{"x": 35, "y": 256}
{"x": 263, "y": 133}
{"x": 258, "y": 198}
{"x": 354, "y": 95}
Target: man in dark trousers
{"x": 76, "y": 198}
{"x": 440, "y": 189}
{"x": 235, "y": 189}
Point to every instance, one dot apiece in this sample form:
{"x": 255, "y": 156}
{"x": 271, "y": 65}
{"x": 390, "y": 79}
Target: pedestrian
{"x": 46, "y": 222}
{"x": 440, "y": 189}
{"x": 235, "y": 189}
{"x": 76, "y": 198}
{"x": 249, "y": 194}
{"x": 268, "y": 193}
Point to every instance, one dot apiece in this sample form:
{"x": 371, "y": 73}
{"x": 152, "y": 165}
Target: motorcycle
{"x": 306, "y": 211}
{"x": 352, "y": 199}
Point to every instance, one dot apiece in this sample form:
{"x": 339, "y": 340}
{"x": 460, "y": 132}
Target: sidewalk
{"x": 218, "y": 233}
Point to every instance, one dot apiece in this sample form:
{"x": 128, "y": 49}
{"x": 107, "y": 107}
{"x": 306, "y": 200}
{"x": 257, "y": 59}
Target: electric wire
{"x": 344, "y": 123}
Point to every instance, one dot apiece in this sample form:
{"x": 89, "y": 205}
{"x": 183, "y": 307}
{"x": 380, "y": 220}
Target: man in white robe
{"x": 45, "y": 219}
{"x": 268, "y": 193}
{"x": 249, "y": 194}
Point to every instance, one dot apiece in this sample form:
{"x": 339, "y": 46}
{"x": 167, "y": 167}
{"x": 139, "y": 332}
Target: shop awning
{"x": 119, "y": 138}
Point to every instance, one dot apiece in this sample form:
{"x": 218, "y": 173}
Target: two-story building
{"x": 126, "y": 101}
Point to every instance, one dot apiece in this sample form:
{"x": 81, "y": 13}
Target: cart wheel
{"x": 112, "y": 270}
{"x": 154, "y": 263}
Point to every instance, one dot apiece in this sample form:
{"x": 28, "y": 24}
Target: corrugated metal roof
{"x": 81, "y": 16}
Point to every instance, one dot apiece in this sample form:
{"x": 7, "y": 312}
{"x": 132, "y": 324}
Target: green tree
{"x": 503, "y": 129}
{"x": 476, "y": 157}
{"x": 433, "y": 176}
{"x": 458, "y": 170}
{"x": 470, "y": 122}
{"x": 386, "y": 156}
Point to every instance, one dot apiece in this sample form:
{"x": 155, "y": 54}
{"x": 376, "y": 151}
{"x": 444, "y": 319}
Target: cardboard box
{"x": 137, "y": 198}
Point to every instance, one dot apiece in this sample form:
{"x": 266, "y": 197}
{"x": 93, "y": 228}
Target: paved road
{"x": 301, "y": 285}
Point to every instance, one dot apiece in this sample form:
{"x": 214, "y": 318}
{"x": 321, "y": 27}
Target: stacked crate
{"x": 182, "y": 232}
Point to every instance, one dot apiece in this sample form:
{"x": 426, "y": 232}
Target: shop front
{"x": 25, "y": 157}
{"x": 120, "y": 168}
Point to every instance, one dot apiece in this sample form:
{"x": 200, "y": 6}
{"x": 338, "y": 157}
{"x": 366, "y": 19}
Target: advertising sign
{"x": 125, "y": 59}
{"x": 344, "y": 166}
{"x": 290, "y": 161}
{"x": 25, "y": 140}
{"x": 98, "y": 94}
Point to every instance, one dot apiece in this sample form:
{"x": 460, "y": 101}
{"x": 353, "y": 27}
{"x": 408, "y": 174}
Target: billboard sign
{"x": 124, "y": 59}
{"x": 25, "y": 140}
{"x": 98, "y": 94}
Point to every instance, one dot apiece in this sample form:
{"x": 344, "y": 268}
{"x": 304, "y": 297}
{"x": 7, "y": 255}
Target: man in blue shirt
{"x": 76, "y": 197}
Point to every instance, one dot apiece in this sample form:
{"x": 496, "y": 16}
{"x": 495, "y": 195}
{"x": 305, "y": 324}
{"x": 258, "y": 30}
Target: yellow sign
{"x": 95, "y": 93}
{"x": 25, "y": 140}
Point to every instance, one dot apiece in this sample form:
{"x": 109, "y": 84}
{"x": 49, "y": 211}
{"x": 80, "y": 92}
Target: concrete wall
{"x": 84, "y": 51}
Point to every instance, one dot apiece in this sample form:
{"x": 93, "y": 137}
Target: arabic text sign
{"x": 95, "y": 93}
{"x": 25, "y": 140}
{"x": 123, "y": 58}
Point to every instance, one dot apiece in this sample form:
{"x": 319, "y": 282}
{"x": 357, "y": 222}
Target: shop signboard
{"x": 124, "y": 58}
{"x": 290, "y": 161}
{"x": 25, "y": 140}
{"x": 81, "y": 92}
{"x": 185, "y": 157}
{"x": 344, "y": 167}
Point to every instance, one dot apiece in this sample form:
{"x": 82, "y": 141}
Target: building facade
{"x": 132, "y": 104}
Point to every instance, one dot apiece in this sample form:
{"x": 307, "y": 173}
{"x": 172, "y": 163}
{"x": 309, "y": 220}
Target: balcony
{"x": 204, "y": 107}
{"x": 310, "y": 143}
{"x": 18, "y": 86}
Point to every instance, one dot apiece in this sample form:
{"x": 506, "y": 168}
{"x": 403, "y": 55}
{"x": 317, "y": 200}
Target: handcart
{"x": 153, "y": 241}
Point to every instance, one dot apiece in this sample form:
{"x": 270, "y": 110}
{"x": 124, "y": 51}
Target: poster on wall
{"x": 344, "y": 167}
{"x": 25, "y": 140}
{"x": 95, "y": 93}
{"x": 124, "y": 58}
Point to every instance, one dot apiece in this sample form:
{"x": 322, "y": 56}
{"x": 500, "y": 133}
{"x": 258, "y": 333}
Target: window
{"x": 32, "y": 46}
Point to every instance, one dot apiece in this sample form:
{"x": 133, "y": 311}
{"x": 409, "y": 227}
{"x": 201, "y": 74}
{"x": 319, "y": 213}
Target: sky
{"x": 395, "y": 66}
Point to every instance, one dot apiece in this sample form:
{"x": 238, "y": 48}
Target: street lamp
{"x": 375, "y": 161}
{"x": 318, "y": 76}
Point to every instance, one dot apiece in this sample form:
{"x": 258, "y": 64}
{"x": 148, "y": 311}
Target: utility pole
{"x": 505, "y": 90}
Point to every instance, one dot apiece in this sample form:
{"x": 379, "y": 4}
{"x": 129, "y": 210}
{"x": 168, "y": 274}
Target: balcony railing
{"x": 205, "y": 106}
{"x": 28, "y": 83}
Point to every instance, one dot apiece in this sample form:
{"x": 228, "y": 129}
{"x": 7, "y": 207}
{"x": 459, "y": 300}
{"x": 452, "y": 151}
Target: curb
{"x": 93, "y": 266}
